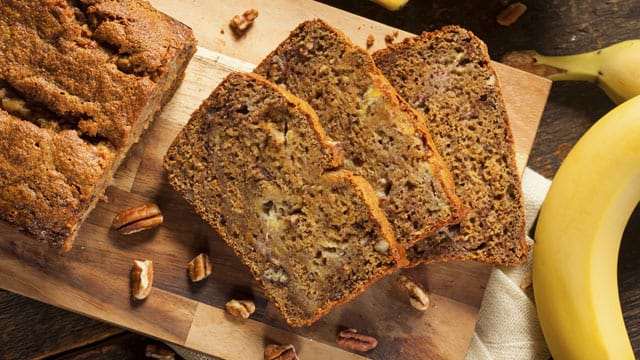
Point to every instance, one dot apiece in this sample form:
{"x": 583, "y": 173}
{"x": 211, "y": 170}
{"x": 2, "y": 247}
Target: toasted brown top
{"x": 91, "y": 66}
{"x": 75, "y": 79}
{"x": 447, "y": 76}
{"x": 36, "y": 166}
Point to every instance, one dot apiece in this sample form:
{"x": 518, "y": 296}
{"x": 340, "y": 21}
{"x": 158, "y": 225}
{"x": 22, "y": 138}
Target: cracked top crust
{"x": 79, "y": 81}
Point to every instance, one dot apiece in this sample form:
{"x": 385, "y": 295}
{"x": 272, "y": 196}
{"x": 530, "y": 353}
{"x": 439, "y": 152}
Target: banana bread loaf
{"x": 79, "y": 82}
{"x": 383, "y": 138}
{"x": 447, "y": 76}
{"x": 256, "y": 165}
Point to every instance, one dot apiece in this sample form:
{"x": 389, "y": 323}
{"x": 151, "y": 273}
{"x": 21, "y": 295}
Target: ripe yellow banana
{"x": 615, "y": 68}
{"x": 578, "y": 236}
{"x": 391, "y": 4}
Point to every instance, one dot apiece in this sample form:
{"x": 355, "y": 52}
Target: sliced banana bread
{"x": 256, "y": 164}
{"x": 447, "y": 76}
{"x": 383, "y": 138}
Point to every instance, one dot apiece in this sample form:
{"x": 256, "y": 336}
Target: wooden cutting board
{"x": 93, "y": 278}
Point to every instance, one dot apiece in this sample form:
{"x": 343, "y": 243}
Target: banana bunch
{"x": 391, "y": 4}
{"x": 578, "y": 235}
{"x": 616, "y": 69}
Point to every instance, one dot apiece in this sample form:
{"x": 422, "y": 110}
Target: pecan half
{"x": 139, "y": 218}
{"x": 350, "y": 339}
{"x": 159, "y": 351}
{"x": 141, "y": 278}
{"x": 509, "y": 15}
{"x": 280, "y": 352}
{"x": 418, "y": 297}
{"x": 200, "y": 267}
{"x": 240, "y": 24}
{"x": 240, "y": 308}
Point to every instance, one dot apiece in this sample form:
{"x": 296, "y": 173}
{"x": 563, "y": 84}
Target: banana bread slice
{"x": 447, "y": 76}
{"x": 383, "y": 138}
{"x": 79, "y": 82}
{"x": 257, "y": 166}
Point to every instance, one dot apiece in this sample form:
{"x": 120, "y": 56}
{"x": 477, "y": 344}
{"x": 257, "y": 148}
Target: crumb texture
{"x": 79, "y": 81}
{"x": 256, "y": 165}
{"x": 383, "y": 139}
{"x": 447, "y": 76}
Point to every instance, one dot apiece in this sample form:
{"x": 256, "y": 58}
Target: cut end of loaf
{"x": 74, "y": 133}
{"x": 255, "y": 163}
{"x": 447, "y": 76}
{"x": 383, "y": 139}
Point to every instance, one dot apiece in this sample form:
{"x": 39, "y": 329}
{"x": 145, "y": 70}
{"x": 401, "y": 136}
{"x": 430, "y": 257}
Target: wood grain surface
{"x": 92, "y": 279}
{"x": 553, "y": 27}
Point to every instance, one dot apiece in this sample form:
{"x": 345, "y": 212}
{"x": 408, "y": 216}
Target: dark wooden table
{"x": 30, "y": 329}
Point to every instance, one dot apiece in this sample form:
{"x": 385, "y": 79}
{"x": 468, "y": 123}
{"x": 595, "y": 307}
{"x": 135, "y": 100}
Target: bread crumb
{"x": 370, "y": 40}
{"x": 389, "y": 38}
{"x": 509, "y": 15}
{"x": 240, "y": 24}
{"x": 222, "y": 31}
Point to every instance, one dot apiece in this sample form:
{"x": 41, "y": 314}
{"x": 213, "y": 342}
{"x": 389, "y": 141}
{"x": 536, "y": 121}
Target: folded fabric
{"x": 507, "y": 326}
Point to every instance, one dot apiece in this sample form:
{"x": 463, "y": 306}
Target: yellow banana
{"x": 616, "y": 69}
{"x": 578, "y": 235}
{"x": 391, "y": 4}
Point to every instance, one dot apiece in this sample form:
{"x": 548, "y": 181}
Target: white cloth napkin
{"x": 507, "y": 326}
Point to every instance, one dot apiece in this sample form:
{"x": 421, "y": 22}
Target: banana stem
{"x": 615, "y": 68}
{"x": 569, "y": 67}
{"x": 572, "y": 67}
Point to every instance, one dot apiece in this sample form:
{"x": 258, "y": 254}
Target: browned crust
{"x": 55, "y": 202}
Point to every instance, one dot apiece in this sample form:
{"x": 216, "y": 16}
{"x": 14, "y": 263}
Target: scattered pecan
{"x": 141, "y": 278}
{"x": 139, "y": 218}
{"x": 509, "y": 15}
{"x": 350, "y": 339}
{"x": 240, "y": 24}
{"x": 280, "y": 352}
{"x": 159, "y": 351}
{"x": 418, "y": 297}
{"x": 200, "y": 267}
{"x": 240, "y": 308}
